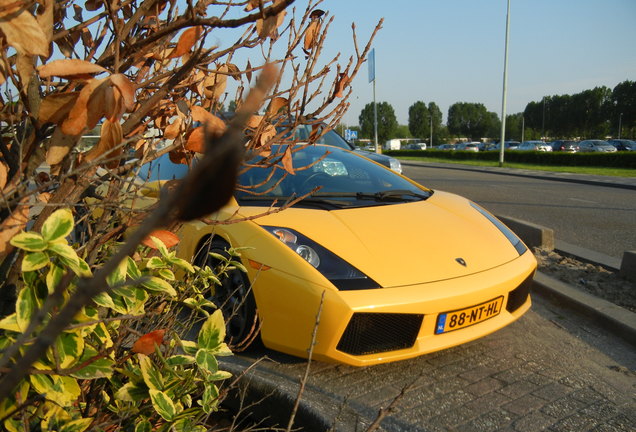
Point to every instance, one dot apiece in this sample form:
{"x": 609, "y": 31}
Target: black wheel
{"x": 234, "y": 297}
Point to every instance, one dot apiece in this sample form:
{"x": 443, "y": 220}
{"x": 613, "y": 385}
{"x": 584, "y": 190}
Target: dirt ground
{"x": 588, "y": 277}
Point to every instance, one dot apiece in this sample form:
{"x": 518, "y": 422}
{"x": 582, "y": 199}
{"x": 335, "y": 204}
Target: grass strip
{"x": 614, "y": 172}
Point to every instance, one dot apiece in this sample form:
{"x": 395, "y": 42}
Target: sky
{"x": 448, "y": 51}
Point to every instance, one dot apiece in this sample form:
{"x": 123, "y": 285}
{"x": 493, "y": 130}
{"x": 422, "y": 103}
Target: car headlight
{"x": 339, "y": 272}
{"x": 512, "y": 237}
{"x": 395, "y": 165}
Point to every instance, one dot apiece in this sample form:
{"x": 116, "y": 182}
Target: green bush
{"x": 100, "y": 373}
{"x": 609, "y": 160}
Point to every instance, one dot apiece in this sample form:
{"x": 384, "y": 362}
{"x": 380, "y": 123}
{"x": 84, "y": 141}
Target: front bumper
{"x": 369, "y": 327}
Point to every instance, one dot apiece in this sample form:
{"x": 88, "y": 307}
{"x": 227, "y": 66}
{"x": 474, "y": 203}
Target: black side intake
{"x": 371, "y": 333}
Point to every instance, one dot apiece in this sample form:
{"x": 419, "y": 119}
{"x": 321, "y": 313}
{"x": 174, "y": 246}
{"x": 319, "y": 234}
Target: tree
{"x": 436, "y": 113}
{"x": 402, "y": 131}
{"x": 514, "y": 124}
{"x": 623, "y": 109}
{"x": 151, "y": 75}
{"x": 471, "y": 120}
{"x": 387, "y": 122}
{"x": 419, "y": 120}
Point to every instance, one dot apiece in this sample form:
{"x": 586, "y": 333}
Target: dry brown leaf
{"x": 254, "y": 121}
{"x": 234, "y": 71}
{"x": 55, "y": 107}
{"x": 186, "y": 41}
{"x": 126, "y": 88}
{"x": 287, "y": 161}
{"x": 4, "y": 174}
{"x": 276, "y": 105}
{"x": 196, "y": 140}
{"x": 268, "y": 133}
{"x": 146, "y": 343}
{"x": 44, "y": 197}
{"x": 68, "y": 42}
{"x": 26, "y": 69}
{"x": 101, "y": 103}
{"x": 78, "y": 13}
{"x": 45, "y": 19}
{"x": 79, "y": 117}
{"x": 214, "y": 125}
{"x": 173, "y": 130}
{"x": 87, "y": 37}
{"x": 93, "y": 5}
{"x": 269, "y": 26}
{"x": 252, "y": 4}
{"x": 179, "y": 156}
{"x": 248, "y": 71}
{"x": 168, "y": 238}
{"x": 59, "y": 147}
{"x": 22, "y": 31}
{"x": 341, "y": 83}
{"x": 215, "y": 83}
{"x": 12, "y": 225}
{"x": 108, "y": 144}
{"x": 69, "y": 68}
{"x": 311, "y": 35}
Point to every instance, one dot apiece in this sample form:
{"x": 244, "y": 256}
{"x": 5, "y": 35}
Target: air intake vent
{"x": 371, "y": 333}
{"x": 518, "y": 296}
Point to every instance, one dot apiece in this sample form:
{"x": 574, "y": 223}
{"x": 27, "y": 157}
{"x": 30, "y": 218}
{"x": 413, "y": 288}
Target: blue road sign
{"x": 350, "y": 134}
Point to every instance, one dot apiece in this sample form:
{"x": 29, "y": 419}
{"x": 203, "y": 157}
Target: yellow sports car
{"x": 380, "y": 267}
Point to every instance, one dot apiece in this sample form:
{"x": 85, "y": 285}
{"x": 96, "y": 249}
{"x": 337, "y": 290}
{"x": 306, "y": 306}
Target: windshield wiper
{"x": 309, "y": 201}
{"x": 393, "y": 195}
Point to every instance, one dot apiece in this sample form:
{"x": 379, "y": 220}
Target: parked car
{"x": 534, "y": 146}
{"x": 508, "y": 145}
{"x": 596, "y": 146}
{"x": 415, "y": 146}
{"x": 302, "y": 132}
{"x": 445, "y": 147}
{"x": 328, "y": 254}
{"x": 470, "y": 146}
{"x": 565, "y": 146}
{"x": 623, "y": 144}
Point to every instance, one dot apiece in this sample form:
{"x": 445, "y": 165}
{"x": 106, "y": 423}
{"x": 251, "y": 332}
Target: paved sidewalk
{"x": 544, "y": 372}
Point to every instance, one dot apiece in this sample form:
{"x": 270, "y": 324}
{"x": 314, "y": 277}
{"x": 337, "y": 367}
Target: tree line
{"x": 595, "y": 113}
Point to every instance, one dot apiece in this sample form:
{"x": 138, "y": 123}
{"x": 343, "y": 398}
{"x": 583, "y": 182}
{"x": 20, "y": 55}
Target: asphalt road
{"x": 599, "y": 218}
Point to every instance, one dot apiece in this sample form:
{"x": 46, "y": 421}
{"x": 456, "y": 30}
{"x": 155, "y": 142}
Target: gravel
{"x": 594, "y": 279}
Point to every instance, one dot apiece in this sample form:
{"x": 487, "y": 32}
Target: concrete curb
{"x": 271, "y": 395}
{"x": 615, "y": 318}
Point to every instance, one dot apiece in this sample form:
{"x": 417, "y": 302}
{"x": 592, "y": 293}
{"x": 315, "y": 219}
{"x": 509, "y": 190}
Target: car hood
{"x": 403, "y": 244}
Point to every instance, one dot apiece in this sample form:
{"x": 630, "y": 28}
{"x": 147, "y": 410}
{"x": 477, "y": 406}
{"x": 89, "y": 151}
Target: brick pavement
{"x": 534, "y": 375}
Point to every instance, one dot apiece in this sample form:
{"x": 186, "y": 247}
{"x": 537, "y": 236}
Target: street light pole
{"x": 431, "y": 141}
{"x": 502, "y": 141}
{"x": 620, "y": 120}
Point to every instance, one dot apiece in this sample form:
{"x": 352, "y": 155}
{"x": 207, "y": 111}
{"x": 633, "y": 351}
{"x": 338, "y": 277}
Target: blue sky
{"x": 448, "y": 51}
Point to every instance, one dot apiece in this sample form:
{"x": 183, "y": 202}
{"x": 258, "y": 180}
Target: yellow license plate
{"x": 455, "y": 320}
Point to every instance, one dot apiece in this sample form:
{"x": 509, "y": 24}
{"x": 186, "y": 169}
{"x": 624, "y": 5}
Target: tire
{"x": 234, "y": 297}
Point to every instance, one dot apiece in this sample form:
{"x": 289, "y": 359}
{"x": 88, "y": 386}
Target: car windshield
{"x": 344, "y": 179}
{"x": 302, "y": 132}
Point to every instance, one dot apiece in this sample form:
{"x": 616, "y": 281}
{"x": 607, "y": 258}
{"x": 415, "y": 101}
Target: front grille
{"x": 518, "y": 296}
{"x": 371, "y": 333}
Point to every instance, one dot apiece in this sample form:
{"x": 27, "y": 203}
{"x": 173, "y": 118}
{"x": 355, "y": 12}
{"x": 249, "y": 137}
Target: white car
{"x": 534, "y": 146}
